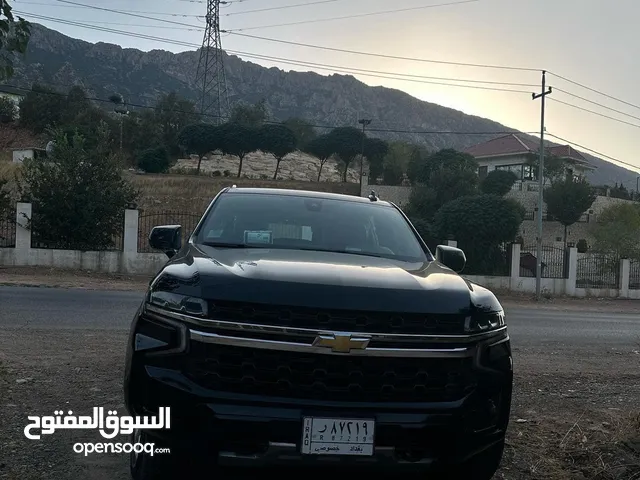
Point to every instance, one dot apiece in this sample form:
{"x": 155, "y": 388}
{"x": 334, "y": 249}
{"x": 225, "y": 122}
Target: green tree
{"x": 14, "y": 38}
{"x": 172, "y": 113}
{"x": 395, "y": 162}
{"x": 554, "y": 167}
{"x": 321, "y": 148}
{"x": 302, "y": 129}
{"x": 141, "y": 131}
{"x": 416, "y": 163}
{"x": 199, "y": 138}
{"x": 347, "y": 145}
{"x": 249, "y": 115}
{"x": 480, "y": 224}
{"x": 498, "y": 182}
{"x": 41, "y": 108}
{"x": 8, "y": 110}
{"x": 238, "y": 140}
{"x": 78, "y": 194}
{"x": 154, "y": 160}
{"x": 567, "y": 200}
{"x": 445, "y": 176}
{"x": 375, "y": 151}
{"x": 277, "y": 140}
{"x": 618, "y": 230}
{"x": 5, "y": 199}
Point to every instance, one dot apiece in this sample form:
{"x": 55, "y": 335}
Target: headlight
{"x": 179, "y": 303}
{"x": 484, "y": 322}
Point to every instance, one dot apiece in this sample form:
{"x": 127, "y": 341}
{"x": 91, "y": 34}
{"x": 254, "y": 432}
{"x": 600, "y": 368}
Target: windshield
{"x": 299, "y": 222}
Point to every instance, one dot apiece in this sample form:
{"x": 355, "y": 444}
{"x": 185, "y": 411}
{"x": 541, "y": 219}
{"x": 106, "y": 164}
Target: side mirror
{"x": 167, "y": 238}
{"x": 451, "y": 257}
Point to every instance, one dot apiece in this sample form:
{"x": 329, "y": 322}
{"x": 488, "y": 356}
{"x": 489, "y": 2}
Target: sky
{"x": 590, "y": 42}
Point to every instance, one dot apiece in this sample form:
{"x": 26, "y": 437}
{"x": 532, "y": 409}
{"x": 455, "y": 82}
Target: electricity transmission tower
{"x": 210, "y": 77}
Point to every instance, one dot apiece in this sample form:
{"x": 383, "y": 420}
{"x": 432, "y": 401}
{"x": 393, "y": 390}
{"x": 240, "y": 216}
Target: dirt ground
{"x": 53, "y": 277}
{"x": 575, "y": 415}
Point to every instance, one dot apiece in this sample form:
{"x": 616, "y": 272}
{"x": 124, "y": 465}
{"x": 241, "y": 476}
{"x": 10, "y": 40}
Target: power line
{"x": 594, "y": 112}
{"x": 380, "y": 55}
{"x": 357, "y": 72}
{"x": 357, "y": 15}
{"x": 594, "y": 152}
{"x": 595, "y": 103}
{"x": 322, "y": 126}
{"x": 283, "y": 7}
{"x": 183, "y": 15}
{"x": 283, "y": 60}
{"x": 594, "y": 90}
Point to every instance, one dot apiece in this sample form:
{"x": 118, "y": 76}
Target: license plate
{"x": 337, "y": 436}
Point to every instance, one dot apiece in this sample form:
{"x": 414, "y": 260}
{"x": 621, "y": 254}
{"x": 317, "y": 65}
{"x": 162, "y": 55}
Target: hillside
{"x": 57, "y": 60}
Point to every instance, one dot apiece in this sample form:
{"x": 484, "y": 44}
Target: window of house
{"x": 529, "y": 172}
{"x": 517, "y": 169}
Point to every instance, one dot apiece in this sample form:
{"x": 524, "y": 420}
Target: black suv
{"x": 304, "y": 328}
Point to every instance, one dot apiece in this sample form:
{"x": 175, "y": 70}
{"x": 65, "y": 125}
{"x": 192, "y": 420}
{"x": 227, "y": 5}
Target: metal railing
{"x": 634, "y": 275}
{"x": 554, "y": 261}
{"x": 597, "y": 270}
{"x": 7, "y": 233}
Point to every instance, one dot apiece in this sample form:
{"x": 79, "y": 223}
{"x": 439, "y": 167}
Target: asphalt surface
{"x": 90, "y": 309}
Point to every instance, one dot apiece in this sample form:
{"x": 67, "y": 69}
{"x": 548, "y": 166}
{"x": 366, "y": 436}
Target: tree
{"x": 554, "y": 167}
{"x": 567, "y": 200}
{"x": 480, "y": 224}
{"x": 321, "y": 148}
{"x": 199, "y": 138}
{"x": 346, "y": 143}
{"x": 375, "y": 151}
{"x": 395, "y": 162}
{"x": 8, "y": 110}
{"x": 14, "y": 38}
{"x": 172, "y": 113}
{"x": 277, "y": 140}
{"x": 445, "y": 176}
{"x": 303, "y": 131}
{"x": 249, "y": 115}
{"x": 78, "y": 194}
{"x": 238, "y": 140}
{"x": 141, "y": 131}
{"x": 5, "y": 199}
{"x": 416, "y": 163}
{"x": 41, "y": 108}
{"x": 154, "y": 160}
{"x": 618, "y": 230}
{"x": 498, "y": 182}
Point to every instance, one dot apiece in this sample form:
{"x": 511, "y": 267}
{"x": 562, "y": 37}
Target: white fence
{"x": 127, "y": 261}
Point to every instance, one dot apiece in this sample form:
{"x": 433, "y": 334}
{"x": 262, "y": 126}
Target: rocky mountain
{"x": 56, "y": 60}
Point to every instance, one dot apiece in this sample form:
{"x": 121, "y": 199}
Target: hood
{"x": 323, "y": 280}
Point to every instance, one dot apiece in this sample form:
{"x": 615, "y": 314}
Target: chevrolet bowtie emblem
{"x": 341, "y": 342}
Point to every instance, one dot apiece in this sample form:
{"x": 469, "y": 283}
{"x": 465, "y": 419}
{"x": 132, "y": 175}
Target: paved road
{"x": 62, "y": 308}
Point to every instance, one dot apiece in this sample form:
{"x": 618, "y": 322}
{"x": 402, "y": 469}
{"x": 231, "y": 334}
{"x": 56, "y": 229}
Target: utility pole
{"x": 542, "y": 95}
{"x": 210, "y": 77}
{"x": 364, "y": 122}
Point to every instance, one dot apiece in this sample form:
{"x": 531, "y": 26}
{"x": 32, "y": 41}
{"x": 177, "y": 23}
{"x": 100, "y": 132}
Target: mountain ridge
{"x": 56, "y": 60}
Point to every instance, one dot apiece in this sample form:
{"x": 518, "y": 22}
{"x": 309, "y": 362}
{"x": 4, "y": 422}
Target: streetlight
{"x": 364, "y": 122}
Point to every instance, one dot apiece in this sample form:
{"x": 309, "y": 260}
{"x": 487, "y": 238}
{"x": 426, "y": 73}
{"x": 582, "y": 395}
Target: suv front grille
{"x": 328, "y": 377}
{"x": 338, "y": 320}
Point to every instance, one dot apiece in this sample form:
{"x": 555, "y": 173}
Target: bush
{"x": 582, "y": 246}
{"x": 216, "y": 173}
{"x": 498, "y": 182}
{"x": 154, "y": 160}
{"x": 227, "y": 173}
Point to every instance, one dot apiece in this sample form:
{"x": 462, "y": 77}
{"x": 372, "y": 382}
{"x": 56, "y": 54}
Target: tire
{"x": 147, "y": 467}
{"x": 482, "y": 467}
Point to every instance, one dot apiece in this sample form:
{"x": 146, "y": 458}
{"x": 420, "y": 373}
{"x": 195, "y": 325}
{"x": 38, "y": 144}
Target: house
{"x": 20, "y": 154}
{"x": 514, "y": 152}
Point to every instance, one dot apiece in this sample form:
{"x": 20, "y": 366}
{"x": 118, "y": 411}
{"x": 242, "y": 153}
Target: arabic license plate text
{"x": 337, "y": 436}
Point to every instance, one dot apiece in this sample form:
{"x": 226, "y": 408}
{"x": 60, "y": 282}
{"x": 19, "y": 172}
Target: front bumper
{"x": 256, "y": 430}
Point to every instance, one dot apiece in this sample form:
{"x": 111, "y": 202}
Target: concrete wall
{"x": 128, "y": 261}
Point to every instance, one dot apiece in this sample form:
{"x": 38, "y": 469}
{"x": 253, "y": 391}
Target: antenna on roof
{"x": 373, "y": 197}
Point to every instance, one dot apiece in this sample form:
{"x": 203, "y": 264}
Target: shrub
{"x": 154, "y": 160}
